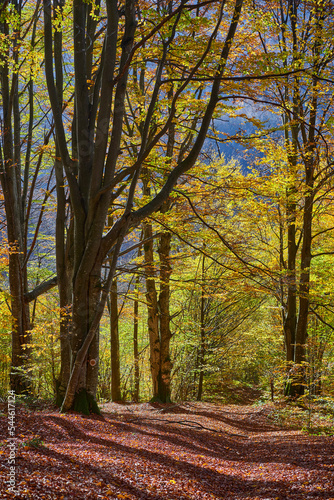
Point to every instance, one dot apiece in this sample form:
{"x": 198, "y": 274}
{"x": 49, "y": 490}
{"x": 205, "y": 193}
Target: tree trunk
{"x": 303, "y": 148}
{"x": 11, "y": 185}
{"x": 304, "y": 285}
{"x": 291, "y": 302}
{"x": 63, "y": 249}
{"x": 202, "y": 332}
{"x": 84, "y": 309}
{"x": 20, "y": 374}
{"x": 152, "y": 312}
{"x": 291, "y": 216}
{"x": 135, "y": 343}
{"x": 165, "y": 333}
{"x": 310, "y": 160}
{"x": 158, "y": 313}
{"x": 114, "y": 346}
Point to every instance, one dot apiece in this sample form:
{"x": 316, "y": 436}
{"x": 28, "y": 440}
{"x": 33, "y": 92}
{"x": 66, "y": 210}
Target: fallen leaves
{"x": 147, "y": 452}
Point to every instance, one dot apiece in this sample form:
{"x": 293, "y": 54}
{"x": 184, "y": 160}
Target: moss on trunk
{"x": 85, "y": 403}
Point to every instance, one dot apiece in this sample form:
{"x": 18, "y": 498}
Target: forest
{"x": 167, "y": 222}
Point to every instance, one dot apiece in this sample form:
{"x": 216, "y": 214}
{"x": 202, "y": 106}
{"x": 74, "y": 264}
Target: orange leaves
{"x": 150, "y": 455}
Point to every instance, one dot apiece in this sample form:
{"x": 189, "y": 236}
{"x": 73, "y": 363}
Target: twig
{"x": 190, "y": 423}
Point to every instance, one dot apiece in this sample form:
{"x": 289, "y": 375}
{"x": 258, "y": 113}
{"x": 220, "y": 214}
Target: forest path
{"x": 165, "y": 452}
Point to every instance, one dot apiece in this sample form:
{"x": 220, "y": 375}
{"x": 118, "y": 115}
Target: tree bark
{"x": 164, "y": 316}
{"x": 135, "y": 343}
{"x": 63, "y": 248}
{"x": 10, "y": 174}
{"x": 114, "y": 346}
{"x": 152, "y": 311}
{"x": 202, "y": 333}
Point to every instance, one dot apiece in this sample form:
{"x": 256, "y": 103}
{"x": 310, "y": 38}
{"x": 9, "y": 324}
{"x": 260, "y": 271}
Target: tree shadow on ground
{"x": 155, "y": 459}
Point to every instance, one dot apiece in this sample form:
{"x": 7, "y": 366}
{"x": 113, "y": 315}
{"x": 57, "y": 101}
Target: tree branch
{"x": 40, "y": 289}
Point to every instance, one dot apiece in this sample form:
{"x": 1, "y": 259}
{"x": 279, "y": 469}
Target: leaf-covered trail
{"x": 190, "y": 451}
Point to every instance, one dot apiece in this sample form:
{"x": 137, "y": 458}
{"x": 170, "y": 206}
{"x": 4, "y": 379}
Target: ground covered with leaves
{"x": 150, "y": 451}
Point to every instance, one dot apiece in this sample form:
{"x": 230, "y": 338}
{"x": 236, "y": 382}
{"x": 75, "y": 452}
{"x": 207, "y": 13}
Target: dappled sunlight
{"x": 185, "y": 451}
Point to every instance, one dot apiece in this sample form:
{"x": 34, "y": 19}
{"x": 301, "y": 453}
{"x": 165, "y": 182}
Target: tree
{"x": 64, "y": 221}
{"x": 301, "y": 44}
{"x": 114, "y": 344}
{"x": 96, "y": 173}
{"x": 22, "y": 153}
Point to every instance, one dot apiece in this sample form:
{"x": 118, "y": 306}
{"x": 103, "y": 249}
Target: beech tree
{"x": 99, "y": 179}
{"x": 22, "y": 159}
{"x": 301, "y": 43}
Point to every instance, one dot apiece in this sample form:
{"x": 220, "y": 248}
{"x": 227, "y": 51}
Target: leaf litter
{"x": 149, "y": 451}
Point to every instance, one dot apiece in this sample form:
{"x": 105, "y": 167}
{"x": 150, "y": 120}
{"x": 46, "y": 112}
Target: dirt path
{"x": 190, "y": 451}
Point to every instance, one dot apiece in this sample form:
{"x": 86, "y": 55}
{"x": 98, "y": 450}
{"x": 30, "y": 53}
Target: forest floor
{"x": 161, "y": 452}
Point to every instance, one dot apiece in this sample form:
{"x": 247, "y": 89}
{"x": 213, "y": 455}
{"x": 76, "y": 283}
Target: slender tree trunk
{"x": 304, "y": 288}
{"x": 290, "y": 323}
{"x": 201, "y": 358}
{"x": 291, "y": 302}
{"x": 158, "y": 314}
{"x": 165, "y": 333}
{"x": 114, "y": 345}
{"x": 310, "y": 160}
{"x": 152, "y": 310}
{"x": 63, "y": 250}
{"x": 135, "y": 342}
{"x": 304, "y": 133}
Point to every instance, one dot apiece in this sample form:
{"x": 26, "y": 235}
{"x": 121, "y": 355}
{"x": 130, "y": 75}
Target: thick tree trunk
{"x": 84, "y": 362}
{"x": 10, "y": 174}
{"x": 20, "y": 376}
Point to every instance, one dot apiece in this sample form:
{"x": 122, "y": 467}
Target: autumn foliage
{"x": 166, "y": 225}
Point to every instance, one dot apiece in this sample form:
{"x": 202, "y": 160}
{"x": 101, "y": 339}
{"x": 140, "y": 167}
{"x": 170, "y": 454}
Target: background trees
{"x": 306, "y": 105}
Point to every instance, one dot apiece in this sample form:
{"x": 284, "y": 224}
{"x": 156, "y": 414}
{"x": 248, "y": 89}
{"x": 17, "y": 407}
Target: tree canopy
{"x": 166, "y": 206}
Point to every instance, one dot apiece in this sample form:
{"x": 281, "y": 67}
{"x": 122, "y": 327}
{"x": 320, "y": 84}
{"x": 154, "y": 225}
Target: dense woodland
{"x": 167, "y": 210}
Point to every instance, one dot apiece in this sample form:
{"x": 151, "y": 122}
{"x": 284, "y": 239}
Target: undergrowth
{"x": 311, "y": 415}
